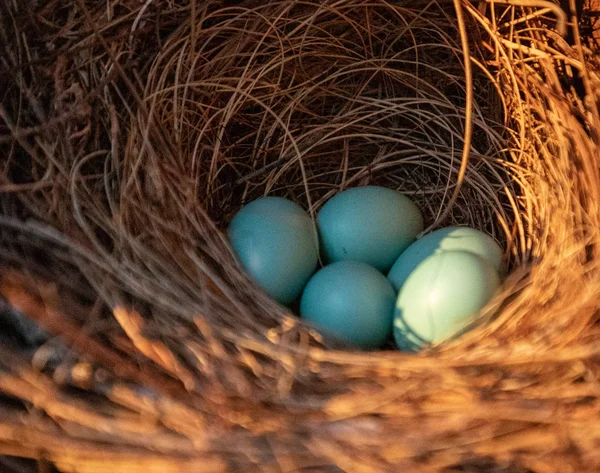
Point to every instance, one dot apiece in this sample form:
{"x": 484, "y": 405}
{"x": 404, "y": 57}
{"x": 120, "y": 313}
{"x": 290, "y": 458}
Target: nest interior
{"x": 131, "y": 132}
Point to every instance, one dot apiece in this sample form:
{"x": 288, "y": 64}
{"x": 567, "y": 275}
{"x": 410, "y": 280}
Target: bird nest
{"x": 130, "y": 132}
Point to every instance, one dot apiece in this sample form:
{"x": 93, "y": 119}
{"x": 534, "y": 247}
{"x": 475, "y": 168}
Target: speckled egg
{"x": 352, "y": 302}
{"x": 274, "y": 240}
{"x": 370, "y": 224}
{"x": 442, "y": 297}
{"x": 445, "y": 239}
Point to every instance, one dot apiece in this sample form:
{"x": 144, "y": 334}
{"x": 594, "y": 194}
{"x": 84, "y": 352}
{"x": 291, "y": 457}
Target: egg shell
{"x": 445, "y": 239}
{"x": 369, "y": 224}
{"x": 352, "y": 302}
{"x": 442, "y": 297}
{"x": 274, "y": 240}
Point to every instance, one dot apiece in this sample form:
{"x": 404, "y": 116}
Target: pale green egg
{"x": 445, "y": 239}
{"x": 275, "y": 242}
{"x": 368, "y": 224}
{"x": 352, "y": 302}
{"x": 442, "y": 297}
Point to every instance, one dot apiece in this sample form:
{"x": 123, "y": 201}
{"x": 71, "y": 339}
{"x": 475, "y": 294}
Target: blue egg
{"x": 274, "y": 240}
{"x": 444, "y": 239}
{"x": 442, "y": 297}
{"x": 368, "y": 224}
{"x": 350, "y": 301}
